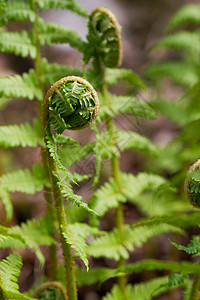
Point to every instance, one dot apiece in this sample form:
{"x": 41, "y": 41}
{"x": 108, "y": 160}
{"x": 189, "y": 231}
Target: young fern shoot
{"x": 71, "y": 103}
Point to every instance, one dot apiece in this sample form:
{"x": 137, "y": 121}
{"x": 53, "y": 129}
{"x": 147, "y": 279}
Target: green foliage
{"x": 126, "y": 104}
{"x": 18, "y": 11}
{"x": 192, "y": 248}
{"x": 111, "y": 245}
{"x": 141, "y": 291}
{"x": 9, "y": 271}
{"x": 29, "y": 234}
{"x": 25, "y": 86}
{"x": 75, "y": 235}
{"x": 184, "y": 40}
{"x": 51, "y": 72}
{"x": 187, "y": 14}
{"x": 20, "y": 135}
{"x": 113, "y": 76}
{"x": 184, "y": 73}
{"x": 64, "y": 4}
{"x": 17, "y": 43}
{"x": 52, "y": 33}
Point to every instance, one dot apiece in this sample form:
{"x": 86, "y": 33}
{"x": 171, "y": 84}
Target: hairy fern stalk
{"x": 72, "y": 103}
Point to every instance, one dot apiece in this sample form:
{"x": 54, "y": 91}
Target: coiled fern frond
{"x": 105, "y": 36}
{"x": 192, "y": 184}
{"x": 71, "y": 103}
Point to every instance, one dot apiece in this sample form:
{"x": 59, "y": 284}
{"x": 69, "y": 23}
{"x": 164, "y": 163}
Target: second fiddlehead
{"x": 71, "y": 103}
{"x": 192, "y": 184}
{"x": 105, "y": 36}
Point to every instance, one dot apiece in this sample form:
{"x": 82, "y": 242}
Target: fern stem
{"x": 37, "y": 61}
{"x": 195, "y": 288}
{"x": 61, "y": 216}
{"x": 116, "y": 175}
{"x": 48, "y": 196}
{"x": 1, "y": 295}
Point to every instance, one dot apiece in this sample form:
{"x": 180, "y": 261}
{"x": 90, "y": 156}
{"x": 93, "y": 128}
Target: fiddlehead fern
{"x": 105, "y": 36}
{"x": 71, "y": 103}
{"x": 50, "y": 291}
{"x": 192, "y": 184}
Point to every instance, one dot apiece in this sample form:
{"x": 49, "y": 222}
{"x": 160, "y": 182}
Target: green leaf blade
{"x": 17, "y": 43}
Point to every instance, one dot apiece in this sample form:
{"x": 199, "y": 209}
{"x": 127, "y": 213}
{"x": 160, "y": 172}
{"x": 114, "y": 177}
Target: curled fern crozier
{"x": 105, "y": 36}
{"x": 50, "y": 291}
{"x": 192, "y": 184}
{"x": 71, "y": 103}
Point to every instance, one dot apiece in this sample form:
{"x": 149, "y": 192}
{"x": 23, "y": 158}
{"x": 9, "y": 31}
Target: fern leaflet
{"x": 19, "y": 135}
{"x": 18, "y": 11}
{"x": 183, "y": 73}
{"x": 53, "y": 33}
{"x": 133, "y": 236}
{"x": 64, "y": 4}
{"x": 187, "y": 14}
{"x": 130, "y": 140}
{"x": 141, "y": 291}
{"x": 75, "y": 235}
{"x": 29, "y": 234}
{"x": 24, "y": 181}
{"x": 192, "y": 248}
{"x": 25, "y": 86}
{"x": 131, "y": 187}
{"x": 126, "y": 104}
{"x": 9, "y": 271}
{"x": 114, "y": 75}
{"x": 17, "y": 43}
{"x": 185, "y": 40}
{"x": 52, "y": 72}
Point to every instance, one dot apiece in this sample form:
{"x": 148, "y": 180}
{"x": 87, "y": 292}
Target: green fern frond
{"x": 141, "y": 291}
{"x": 51, "y": 72}
{"x": 128, "y": 140}
{"x": 94, "y": 275}
{"x": 75, "y": 235}
{"x": 25, "y": 86}
{"x": 187, "y": 14}
{"x": 176, "y": 111}
{"x": 32, "y": 235}
{"x": 19, "y": 135}
{"x": 182, "y": 73}
{"x": 107, "y": 196}
{"x": 112, "y": 76}
{"x": 23, "y": 181}
{"x": 17, "y": 43}
{"x": 185, "y": 40}
{"x": 18, "y": 11}
{"x": 9, "y": 272}
{"x": 29, "y": 234}
{"x": 192, "y": 248}
{"x": 75, "y": 199}
{"x": 70, "y": 156}
{"x": 53, "y": 33}
{"x": 153, "y": 264}
{"x": 5, "y": 199}
{"x": 126, "y": 104}
{"x": 64, "y": 4}
{"x": 111, "y": 246}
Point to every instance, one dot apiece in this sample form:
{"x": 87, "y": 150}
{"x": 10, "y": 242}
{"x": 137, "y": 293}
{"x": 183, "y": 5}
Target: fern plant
{"x": 72, "y": 103}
